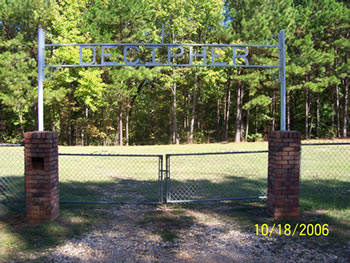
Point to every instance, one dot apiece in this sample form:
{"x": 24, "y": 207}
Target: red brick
{"x": 45, "y": 145}
{"x": 288, "y": 157}
{"x": 49, "y": 135}
{"x": 27, "y": 135}
{"x": 42, "y": 184}
{"x": 283, "y": 174}
{"x": 36, "y": 141}
{"x": 279, "y": 153}
{"x": 293, "y": 171}
{"x": 289, "y": 149}
{"x": 282, "y": 161}
{"x": 294, "y": 153}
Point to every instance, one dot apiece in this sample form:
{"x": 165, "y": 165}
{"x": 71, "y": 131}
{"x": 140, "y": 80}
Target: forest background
{"x": 133, "y": 106}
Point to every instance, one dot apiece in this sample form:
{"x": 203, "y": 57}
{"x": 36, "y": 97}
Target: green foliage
{"x": 255, "y": 137}
{"x": 95, "y": 106}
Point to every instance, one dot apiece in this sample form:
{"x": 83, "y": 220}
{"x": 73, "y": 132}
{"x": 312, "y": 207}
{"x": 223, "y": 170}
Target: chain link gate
{"x": 138, "y": 179}
{"x": 111, "y": 178}
{"x": 199, "y": 177}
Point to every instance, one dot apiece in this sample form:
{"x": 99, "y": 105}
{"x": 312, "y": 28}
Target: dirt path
{"x": 161, "y": 234}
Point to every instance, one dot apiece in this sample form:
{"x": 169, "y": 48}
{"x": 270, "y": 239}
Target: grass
{"x": 18, "y": 237}
{"x": 325, "y": 188}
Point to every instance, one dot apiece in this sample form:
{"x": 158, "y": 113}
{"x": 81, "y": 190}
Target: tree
{"x": 129, "y": 105}
{"x": 19, "y": 21}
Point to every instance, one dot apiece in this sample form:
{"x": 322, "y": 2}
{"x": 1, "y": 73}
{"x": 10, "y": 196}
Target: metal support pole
{"x": 282, "y": 77}
{"x": 41, "y": 77}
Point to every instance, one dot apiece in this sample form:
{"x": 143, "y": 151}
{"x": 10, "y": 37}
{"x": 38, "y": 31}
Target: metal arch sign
{"x": 174, "y": 51}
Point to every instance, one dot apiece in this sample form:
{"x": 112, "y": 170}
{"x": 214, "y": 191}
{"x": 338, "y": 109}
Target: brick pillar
{"x": 283, "y": 174}
{"x": 41, "y": 176}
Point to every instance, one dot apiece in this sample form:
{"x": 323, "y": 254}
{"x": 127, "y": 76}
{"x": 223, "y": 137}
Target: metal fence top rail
{"x": 162, "y": 65}
{"x": 215, "y": 153}
{"x": 112, "y": 202}
{"x": 156, "y": 45}
{"x": 159, "y": 155}
{"x": 110, "y": 155}
{"x": 325, "y": 143}
{"x": 217, "y": 199}
{"x": 10, "y": 144}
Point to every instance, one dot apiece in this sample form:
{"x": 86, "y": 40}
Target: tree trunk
{"x": 346, "y": 101}
{"x": 116, "y": 140}
{"x": 86, "y": 125}
{"x": 175, "y": 134}
{"x": 256, "y": 120}
{"x": 332, "y": 118}
{"x": 318, "y": 116}
{"x": 307, "y": 111}
{"x": 238, "y": 134}
{"x": 120, "y": 123}
{"x": 218, "y": 119}
{"x": 186, "y": 100}
{"x": 288, "y": 111}
{"x": 194, "y": 95}
{"x": 227, "y": 111}
{"x": 247, "y": 126}
{"x": 199, "y": 119}
{"x": 127, "y": 123}
{"x": 273, "y": 110}
{"x": 311, "y": 125}
{"x": 69, "y": 128}
{"x": 338, "y": 110}
{"x": 36, "y": 121}
{"x": 224, "y": 117}
{"x": 70, "y": 139}
{"x": 20, "y": 116}
{"x": 82, "y": 137}
{"x": 185, "y": 112}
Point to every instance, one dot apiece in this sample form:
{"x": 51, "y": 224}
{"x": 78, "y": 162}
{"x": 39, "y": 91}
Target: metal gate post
{"x": 167, "y": 178}
{"x": 282, "y": 76}
{"x": 41, "y": 77}
{"x": 160, "y": 178}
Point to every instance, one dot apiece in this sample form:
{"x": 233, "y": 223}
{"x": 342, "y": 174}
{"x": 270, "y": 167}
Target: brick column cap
{"x": 41, "y": 135}
{"x": 284, "y": 134}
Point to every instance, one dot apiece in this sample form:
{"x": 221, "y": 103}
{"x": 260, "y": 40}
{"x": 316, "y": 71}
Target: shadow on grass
{"x": 229, "y": 187}
{"x": 314, "y": 195}
{"x": 11, "y": 195}
{"x": 322, "y": 194}
{"x": 325, "y": 194}
{"x": 120, "y": 190}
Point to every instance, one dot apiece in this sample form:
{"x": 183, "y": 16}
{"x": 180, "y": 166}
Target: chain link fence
{"x": 216, "y": 176}
{"x": 110, "y": 178}
{"x": 325, "y": 172}
{"x": 12, "y": 197}
{"x": 130, "y": 178}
